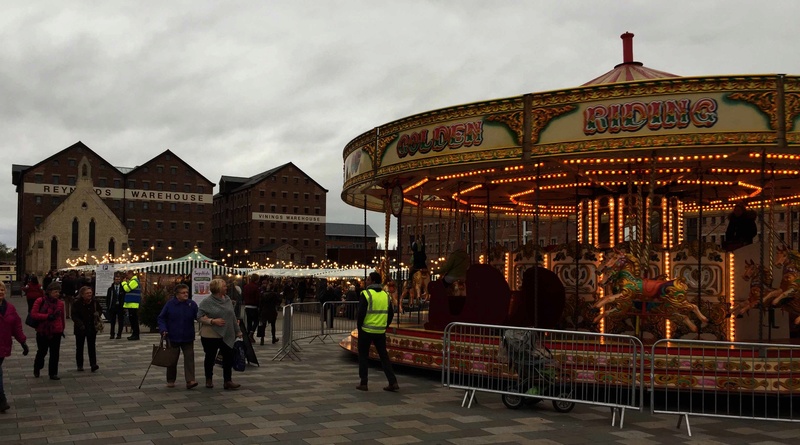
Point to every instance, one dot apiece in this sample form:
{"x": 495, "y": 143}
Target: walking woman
{"x": 176, "y": 323}
{"x": 10, "y": 327}
{"x": 33, "y": 291}
{"x": 218, "y": 332}
{"x": 85, "y": 311}
{"x": 49, "y": 312}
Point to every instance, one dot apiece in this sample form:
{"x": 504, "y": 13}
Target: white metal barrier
{"x": 528, "y": 364}
{"x": 288, "y": 347}
{"x": 338, "y": 317}
{"x": 755, "y": 381}
{"x": 313, "y": 320}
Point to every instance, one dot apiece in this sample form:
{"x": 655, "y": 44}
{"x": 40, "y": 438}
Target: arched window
{"x": 91, "y": 234}
{"x": 75, "y": 234}
{"x": 85, "y": 170}
{"x": 54, "y": 253}
{"x": 111, "y": 247}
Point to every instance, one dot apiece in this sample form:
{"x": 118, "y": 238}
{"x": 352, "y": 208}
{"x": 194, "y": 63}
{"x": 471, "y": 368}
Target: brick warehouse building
{"x": 277, "y": 215}
{"x": 162, "y": 207}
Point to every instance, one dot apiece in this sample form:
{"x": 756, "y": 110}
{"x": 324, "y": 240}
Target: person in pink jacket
{"x": 49, "y": 312}
{"x": 10, "y": 326}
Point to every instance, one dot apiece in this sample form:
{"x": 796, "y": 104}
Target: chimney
{"x": 627, "y": 47}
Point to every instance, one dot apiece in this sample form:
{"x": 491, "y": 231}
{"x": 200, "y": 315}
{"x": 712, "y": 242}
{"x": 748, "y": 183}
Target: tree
{"x": 7, "y": 254}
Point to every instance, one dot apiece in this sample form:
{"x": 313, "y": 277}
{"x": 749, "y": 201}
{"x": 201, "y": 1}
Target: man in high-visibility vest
{"x": 133, "y": 297}
{"x": 375, "y": 314}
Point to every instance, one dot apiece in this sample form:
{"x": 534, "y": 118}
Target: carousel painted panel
{"x": 580, "y": 283}
{"x": 708, "y": 281}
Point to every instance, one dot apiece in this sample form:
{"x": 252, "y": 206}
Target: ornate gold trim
{"x": 540, "y": 117}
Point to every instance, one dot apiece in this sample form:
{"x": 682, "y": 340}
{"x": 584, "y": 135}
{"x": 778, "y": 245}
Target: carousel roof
{"x": 629, "y": 70}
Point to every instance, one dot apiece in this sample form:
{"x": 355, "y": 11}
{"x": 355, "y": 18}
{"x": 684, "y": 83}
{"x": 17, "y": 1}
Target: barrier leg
{"x": 469, "y": 397}
{"x": 688, "y": 427}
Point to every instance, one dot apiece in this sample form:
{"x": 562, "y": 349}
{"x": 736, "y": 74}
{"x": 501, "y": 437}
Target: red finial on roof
{"x": 627, "y": 47}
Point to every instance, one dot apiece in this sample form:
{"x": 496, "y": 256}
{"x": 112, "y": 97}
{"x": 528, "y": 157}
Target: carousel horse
{"x": 751, "y": 274}
{"x": 391, "y": 288}
{"x": 790, "y": 283}
{"x": 419, "y": 287}
{"x": 667, "y": 298}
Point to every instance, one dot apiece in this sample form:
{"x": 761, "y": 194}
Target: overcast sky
{"x": 239, "y": 87}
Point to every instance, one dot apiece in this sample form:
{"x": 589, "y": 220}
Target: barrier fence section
{"x": 338, "y": 317}
{"x": 300, "y": 321}
{"x": 756, "y": 381}
{"x": 529, "y": 365}
{"x": 314, "y": 320}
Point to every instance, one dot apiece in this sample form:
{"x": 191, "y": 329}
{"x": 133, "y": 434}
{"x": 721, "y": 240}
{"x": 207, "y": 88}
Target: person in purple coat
{"x": 10, "y": 327}
{"x": 176, "y": 323}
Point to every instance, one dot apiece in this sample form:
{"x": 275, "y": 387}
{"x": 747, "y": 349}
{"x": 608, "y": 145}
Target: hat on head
{"x": 55, "y": 285}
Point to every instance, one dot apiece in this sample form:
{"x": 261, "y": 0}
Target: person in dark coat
{"x": 115, "y": 296}
{"x": 268, "y": 313}
{"x": 741, "y": 228}
{"x": 85, "y": 309}
{"x": 176, "y": 323}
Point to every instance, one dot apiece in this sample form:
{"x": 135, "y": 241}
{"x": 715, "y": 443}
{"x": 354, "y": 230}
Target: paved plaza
{"x": 310, "y": 401}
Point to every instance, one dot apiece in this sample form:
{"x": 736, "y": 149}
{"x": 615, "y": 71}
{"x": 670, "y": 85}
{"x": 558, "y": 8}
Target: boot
{"x": 209, "y": 383}
{"x": 262, "y": 341}
{"x": 4, "y": 404}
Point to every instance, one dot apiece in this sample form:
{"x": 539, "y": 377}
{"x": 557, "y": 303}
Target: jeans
{"x": 211, "y": 346}
{"x": 44, "y": 345}
{"x": 365, "y": 339}
{"x": 188, "y": 363}
{"x": 90, "y": 338}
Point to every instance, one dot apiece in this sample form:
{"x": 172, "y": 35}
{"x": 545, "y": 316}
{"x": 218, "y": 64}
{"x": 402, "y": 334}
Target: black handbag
{"x": 165, "y": 355}
{"x": 30, "y": 321}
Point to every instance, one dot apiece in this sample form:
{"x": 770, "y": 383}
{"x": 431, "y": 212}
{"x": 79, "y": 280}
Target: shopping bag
{"x": 239, "y": 356}
{"x": 165, "y": 355}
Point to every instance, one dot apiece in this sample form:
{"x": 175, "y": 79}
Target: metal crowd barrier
{"x": 754, "y": 381}
{"x": 338, "y": 317}
{"x": 529, "y": 365}
{"x": 300, "y": 321}
{"x": 313, "y": 320}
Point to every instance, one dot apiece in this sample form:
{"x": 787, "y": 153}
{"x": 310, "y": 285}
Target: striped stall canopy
{"x": 186, "y": 267}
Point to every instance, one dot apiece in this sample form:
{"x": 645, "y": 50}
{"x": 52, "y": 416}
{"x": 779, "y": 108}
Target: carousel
{"x": 629, "y": 166}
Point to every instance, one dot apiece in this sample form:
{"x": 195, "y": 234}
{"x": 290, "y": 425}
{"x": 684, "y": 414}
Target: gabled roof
{"x": 256, "y": 179}
{"x": 344, "y": 229}
{"x": 18, "y": 170}
{"x": 169, "y": 152}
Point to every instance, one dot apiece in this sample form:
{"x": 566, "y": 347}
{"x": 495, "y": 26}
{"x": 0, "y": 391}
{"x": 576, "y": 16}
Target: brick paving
{"x": 311, "y": 401}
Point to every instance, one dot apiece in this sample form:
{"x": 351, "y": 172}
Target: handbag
{"x": 239, "y": 357}
{"x": 98, "y": 323}
{"x": 32, "y": 322}
{"x": 165, "y": 355}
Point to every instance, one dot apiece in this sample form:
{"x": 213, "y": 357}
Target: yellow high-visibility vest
{"x": 377, "y": 312}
